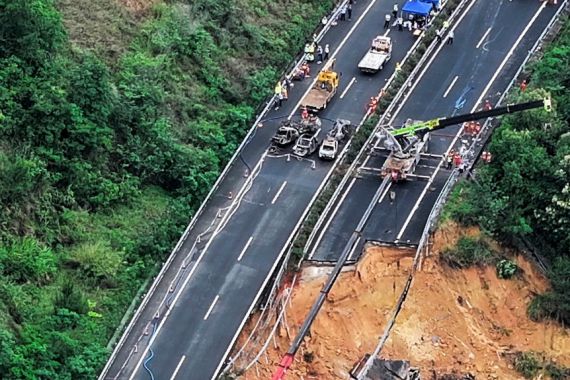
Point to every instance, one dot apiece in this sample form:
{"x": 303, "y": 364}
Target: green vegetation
{"x": 113, "y": 128}
{"x": 523, "y": 195}
{"x": 469, "y": 251}
{"x": 506, "y": 269}
{"x": 530, "y": 364}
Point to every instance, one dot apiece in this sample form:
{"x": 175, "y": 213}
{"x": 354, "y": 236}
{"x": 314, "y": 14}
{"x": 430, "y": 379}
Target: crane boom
{"x": 439, "y": 123}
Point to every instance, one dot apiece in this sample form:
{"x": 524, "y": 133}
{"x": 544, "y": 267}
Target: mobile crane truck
{"x": 406, "y": 144}
{"x": 323, "y": 90}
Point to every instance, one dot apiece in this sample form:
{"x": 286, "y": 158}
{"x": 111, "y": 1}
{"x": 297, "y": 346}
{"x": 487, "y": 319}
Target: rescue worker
{"x": 343, "y": 13}
{"x": 457, "y": 159}
{"x": 319, "y": 54}
{"x": 387, "y": 21}
{"x": 395, "y": 10}
{"x": 327, "y": 51}
{"x": 304, "y": 113}
{"x": 306, "y": 69}
{"x": 450, "y": 37}
{"x": 438, "y": 35}
{"x": 400, "y": 24}
{"x": 398, "y": 67}
{"x": 449, "y": 162}
{"x": 284, "y": 93}
{"x": 372, "y": 104}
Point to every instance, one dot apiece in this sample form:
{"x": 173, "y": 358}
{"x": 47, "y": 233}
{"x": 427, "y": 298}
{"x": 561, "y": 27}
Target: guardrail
{"x": 442, "y": 198}
{"x": 386, "y": 114}
{"x": 208, "y": 198}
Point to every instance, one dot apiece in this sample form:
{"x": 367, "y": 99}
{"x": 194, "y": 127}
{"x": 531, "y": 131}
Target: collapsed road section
{"x": 191, "y": 316}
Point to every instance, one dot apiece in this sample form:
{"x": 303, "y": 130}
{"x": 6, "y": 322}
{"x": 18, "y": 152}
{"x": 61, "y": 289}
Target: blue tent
{"x": 436, "y": 2}
{"x": 417, "y": 8}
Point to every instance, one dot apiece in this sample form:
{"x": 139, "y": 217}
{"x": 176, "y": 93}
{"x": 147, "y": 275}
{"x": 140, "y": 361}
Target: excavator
{"x": 408, "y": 143}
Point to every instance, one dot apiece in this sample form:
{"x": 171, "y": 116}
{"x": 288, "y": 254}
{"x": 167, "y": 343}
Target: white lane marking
{"x": 211, "y": 307}
{"x": 334, "y": 54}
{"x": 428, "y": 64}
{"x": 385, "y": 192}
{"x": 483, "y": 94}
{"x": 245, "y": 248}
{"x": 278, "y": 193}
{"x": 388, "y": 31}
{"x": 325, "y": 228}
{"x": 348, "y": 87}
{"x": 450, "y": 86}
{"x": 178, "y": 367}
{"x": 237, "y": 199}
{"x": 483, "y": 38}
{"x": 354, "y": 248}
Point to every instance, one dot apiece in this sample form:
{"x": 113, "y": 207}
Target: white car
{"x": 329, "y": 149}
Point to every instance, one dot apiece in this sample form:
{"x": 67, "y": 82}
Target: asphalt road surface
{"x": 214, "y": 282}
{"x": 452, "y": 84}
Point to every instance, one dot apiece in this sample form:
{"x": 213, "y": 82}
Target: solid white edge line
{"x": 483, "y": 38}
{"x": 270, "y": 273}
{"x": 450, "y": 86}
{"x": 329, "y": 220}
{"x": 333, "y": 55}
{"x": 428, "y": 64}
{"x": 348, "y": 87}
{"x": 246, "y": 246}
{"x": 278, "y": 193}
{"x": 178, "y": 367}
{"x": 385, "y": 192}
{"x": 211, "y": 307}
{"x": 483, "y": 94}
{"x": 177, "y": 296}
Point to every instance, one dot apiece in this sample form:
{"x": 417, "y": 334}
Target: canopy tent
{"x": 436, "y": 2}
{"x": 417, "y": 8}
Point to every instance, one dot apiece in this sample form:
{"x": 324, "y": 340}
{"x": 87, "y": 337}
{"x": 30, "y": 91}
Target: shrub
{"x": 506, "y": 269}
{"x": 468, "y": 251}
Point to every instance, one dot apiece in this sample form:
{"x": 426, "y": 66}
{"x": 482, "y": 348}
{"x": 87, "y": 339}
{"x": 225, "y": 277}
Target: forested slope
{"x": 523, "y": 195}
{"x": 115, "y": 119}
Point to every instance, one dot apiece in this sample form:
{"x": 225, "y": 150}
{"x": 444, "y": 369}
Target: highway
{"x": 190, "y": 321}
{"x": 491, "y": 41}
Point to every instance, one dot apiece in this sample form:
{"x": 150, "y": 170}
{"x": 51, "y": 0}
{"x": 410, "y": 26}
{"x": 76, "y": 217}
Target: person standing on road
{"x": 319, "y": 54}
{"x": 387, "y": 21}
{"x": 400, "y": 22}
{"x": 343, "y": 13}
{"x": 349, "y": 11}
{"x": 438, "y": 35}
{"x": 327, "y": 51}
{"x": 450, "y": 37}
{"x": 449, "y": 161}
{"x": 395, "y": 11}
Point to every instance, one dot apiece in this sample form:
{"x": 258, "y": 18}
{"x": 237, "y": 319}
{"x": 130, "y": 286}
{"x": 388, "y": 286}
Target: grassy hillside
{"x": 116, "y": 117}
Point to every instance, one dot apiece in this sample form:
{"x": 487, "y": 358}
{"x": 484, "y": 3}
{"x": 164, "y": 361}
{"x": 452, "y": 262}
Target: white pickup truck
{"x": 379, "y": 53}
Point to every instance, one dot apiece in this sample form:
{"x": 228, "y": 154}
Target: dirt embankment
{"x": 452, "y": 321}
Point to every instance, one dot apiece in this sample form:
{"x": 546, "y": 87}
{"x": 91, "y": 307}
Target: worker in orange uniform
{"x": 523, "y": 85}
{"x": 306, "y": 69}
{"x": 372, "y": 104}
{"x": 457, "y": 159}
{"x": 304, "y": 113}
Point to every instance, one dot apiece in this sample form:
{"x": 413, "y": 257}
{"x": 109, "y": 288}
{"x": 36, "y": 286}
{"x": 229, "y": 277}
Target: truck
{"x": 408, "y": 143}
{"x": 323, "y": 90}
{"x": 379, "y": 53}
